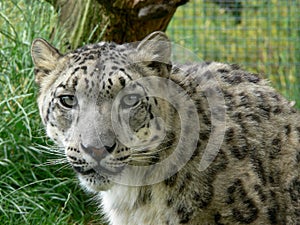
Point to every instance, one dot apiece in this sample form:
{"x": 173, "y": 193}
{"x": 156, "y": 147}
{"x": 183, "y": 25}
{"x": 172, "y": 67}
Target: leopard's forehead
{"x": 101, "y": 50}
{"x": 97, "y": 69}
{"x": 102, "y": 57}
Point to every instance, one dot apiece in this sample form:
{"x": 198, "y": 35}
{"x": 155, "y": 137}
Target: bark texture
{"x": 113, "y": 20}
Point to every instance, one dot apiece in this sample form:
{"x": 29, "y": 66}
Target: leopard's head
{"x": 105, "y": 104}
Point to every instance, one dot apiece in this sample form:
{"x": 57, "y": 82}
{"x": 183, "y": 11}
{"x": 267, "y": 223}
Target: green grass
{"x": 33, "y": 188}
{"x": 267, "y": 41}
{"x": 36, "y": 186}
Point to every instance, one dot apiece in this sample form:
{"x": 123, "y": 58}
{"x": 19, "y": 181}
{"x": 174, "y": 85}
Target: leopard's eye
{"x": 130, "y": 100}
{"x": 68, "y": 101}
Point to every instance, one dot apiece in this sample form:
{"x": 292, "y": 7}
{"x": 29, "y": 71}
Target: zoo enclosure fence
{"x": 261, "y": 35}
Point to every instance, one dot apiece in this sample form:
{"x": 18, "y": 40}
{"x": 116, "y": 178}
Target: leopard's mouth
{"x": 98, "y": 170}
{"x": 81, "y": 171}
{"x": 94, "y": 162}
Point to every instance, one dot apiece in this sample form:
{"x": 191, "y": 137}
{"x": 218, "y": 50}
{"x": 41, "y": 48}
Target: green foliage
{"x": 267, "y": 40}
{"x": 36, "y": 185}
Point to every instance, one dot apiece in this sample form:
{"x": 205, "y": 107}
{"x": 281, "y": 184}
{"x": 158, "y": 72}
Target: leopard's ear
{"x": 45, "y": 58}
{"x": 155, "y": 47}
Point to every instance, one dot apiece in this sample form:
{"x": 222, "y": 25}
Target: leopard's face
{"x": 96, "y": 105}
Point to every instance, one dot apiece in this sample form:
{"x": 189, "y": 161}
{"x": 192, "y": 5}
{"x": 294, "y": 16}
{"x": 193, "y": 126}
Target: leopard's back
{"x": 255, "y": 176}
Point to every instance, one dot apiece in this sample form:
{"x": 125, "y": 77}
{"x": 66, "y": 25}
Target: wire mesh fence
{"x": 261, "y": 35}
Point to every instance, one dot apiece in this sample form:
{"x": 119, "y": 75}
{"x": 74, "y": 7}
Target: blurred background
{"x": 261, "y": 35}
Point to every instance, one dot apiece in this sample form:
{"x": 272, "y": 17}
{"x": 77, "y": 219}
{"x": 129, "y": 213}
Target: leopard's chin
{"x": 94, "y": 182}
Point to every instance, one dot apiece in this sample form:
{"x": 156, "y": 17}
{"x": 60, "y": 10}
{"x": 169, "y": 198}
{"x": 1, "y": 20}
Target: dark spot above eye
{"x": 122, "y": 81}
{"x": 110, "y": 81}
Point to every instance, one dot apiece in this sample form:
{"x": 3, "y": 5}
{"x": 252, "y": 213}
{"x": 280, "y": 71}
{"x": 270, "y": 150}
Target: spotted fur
{"x": 254, "y": 178}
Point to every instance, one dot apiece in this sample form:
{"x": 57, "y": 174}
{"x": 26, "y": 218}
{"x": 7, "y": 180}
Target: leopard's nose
{"x": 98, "y": 153}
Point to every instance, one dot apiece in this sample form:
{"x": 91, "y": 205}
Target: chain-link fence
{"x": 261, "y": 35}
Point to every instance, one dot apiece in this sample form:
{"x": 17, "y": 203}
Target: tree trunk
{"x": 113, "y": 20}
